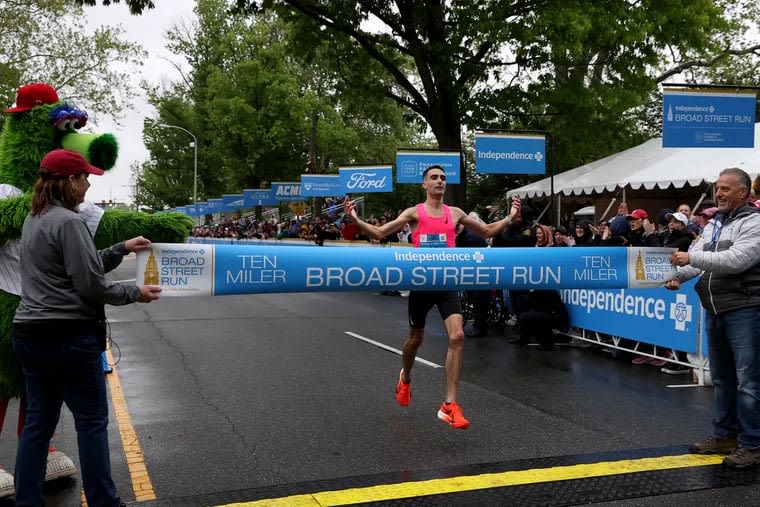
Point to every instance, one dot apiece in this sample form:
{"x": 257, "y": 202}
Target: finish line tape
{"x": 204, "y": 270}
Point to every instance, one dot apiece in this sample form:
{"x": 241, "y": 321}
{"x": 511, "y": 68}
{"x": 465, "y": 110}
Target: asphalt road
{"x": 239, "y": 392}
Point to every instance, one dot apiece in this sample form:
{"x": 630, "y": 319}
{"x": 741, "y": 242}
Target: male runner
{"x": 434, "y": 224}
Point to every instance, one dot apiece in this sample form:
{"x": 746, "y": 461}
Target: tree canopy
{"x": 47, "y": 40}
{"x": 587, "y": 71}
{"x": 260, "y": 110}
{"x": 583, "y": 69}
{"x": 135, "y": 6}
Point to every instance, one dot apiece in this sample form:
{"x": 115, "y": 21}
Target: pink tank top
{"x": 434, "y": 232}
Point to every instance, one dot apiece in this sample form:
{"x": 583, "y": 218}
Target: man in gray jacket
{"x": 727, "y": 256}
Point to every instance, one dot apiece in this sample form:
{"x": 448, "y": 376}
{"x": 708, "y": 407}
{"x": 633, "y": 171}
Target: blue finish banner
{"x": 258, "y": 197}
{"x": 191, "y": 269}
{"x": 362, "y": 180}
{"x": 232, "y": 202}
{"x": 411, "y": 164}
{"x": 287, "y": 191}
{"x": 708, "y": 120}
{"x": 320, "y": 185}
{"x": 658, "y": 316}
{"x": 510, "y": 154}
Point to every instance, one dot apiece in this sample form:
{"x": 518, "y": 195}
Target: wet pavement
{"x": 290, "y": 396}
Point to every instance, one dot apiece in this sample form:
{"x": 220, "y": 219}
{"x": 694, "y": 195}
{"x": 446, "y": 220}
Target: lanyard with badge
{"x": 717, "y": 226}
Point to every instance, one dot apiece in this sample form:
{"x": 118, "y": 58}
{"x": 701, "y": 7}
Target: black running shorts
{"x": 420, "y": 303}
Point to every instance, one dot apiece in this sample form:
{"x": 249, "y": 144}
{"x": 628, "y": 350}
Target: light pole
{"x": 195, "y": 161}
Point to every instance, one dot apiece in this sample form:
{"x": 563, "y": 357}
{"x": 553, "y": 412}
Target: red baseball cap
{"x": 32, "y": 95}
{"x": 63, "y": 163}
{"x": 637, "y": 213}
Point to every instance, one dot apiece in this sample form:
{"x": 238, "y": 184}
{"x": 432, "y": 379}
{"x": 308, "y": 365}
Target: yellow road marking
{"x": 138, "y": 472}
{"x": 484, "y": 481}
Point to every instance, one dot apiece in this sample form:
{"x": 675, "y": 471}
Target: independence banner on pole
{"x": 203, "y": 270}
{"x": 708, "y": 119}
{"x": 510, "y": 154}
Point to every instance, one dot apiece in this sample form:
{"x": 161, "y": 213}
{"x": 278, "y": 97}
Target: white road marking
{"x": 390, "y": 349}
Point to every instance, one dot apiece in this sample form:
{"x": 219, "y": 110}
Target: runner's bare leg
{"x": 454, "y": 356}
{"x": 409, "y": 352}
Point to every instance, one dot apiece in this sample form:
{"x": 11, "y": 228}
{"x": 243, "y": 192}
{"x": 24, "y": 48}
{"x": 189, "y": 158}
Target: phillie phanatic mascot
{"x": 38, "y": 123}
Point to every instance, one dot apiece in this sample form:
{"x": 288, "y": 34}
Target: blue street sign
{"x": 258, "y": 197}
{"x": 510, "y": 154}
{"x": 708, "y": 120}
{"x": 287, "y": 191}
{"x": 214, "y": 206}
{"x": 232, "y": 202}
{"x": 411, "y": 164}
{"x": 362, "y": 180}
{"x": 320, "y": 185}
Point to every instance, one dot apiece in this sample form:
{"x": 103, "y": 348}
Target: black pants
{"x": 538, "y": 326}
{"x": 480, "y": 301}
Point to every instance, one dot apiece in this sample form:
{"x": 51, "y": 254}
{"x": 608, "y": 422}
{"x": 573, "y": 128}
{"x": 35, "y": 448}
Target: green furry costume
{"x": 27, "y": 136}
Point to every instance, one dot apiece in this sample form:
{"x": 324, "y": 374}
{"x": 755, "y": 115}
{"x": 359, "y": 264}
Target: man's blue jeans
{"x": 734, "y": 347}
{"x": 64, "y": 369}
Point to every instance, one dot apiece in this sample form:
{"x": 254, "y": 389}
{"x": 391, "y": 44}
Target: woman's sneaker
{"x": 6, "y": 483}
{"x": 58, "y": 466}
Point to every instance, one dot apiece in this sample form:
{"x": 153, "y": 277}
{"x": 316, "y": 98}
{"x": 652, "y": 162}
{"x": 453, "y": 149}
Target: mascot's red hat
{"x": 31, "y": 95}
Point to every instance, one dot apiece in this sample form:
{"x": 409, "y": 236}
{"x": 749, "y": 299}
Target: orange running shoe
{"x": 403, "y": 391}
{"x": 451, "y": 414}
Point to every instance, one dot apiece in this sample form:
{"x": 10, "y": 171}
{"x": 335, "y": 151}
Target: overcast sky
{"x": 149, "y": 30}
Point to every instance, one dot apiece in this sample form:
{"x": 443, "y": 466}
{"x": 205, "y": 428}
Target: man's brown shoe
{"x": 715, "y": 445}
{"x": 742, "y": 458}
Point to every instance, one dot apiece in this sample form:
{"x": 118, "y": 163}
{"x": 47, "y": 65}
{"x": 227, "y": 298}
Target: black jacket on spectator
{"x": 637, "y": 238}
{"x": 518, "y": 234}
{"x": 619, "y": 231}
{"x": 521, "y": 234}
{"x": 467, "y": 238}
{"x": 588, "y": 238}
{"x": 680, "y": 239}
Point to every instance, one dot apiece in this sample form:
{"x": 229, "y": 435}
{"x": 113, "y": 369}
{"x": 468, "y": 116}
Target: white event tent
{"x": 648, "y": 166}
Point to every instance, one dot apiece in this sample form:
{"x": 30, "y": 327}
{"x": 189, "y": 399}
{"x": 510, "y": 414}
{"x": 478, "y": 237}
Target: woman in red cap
{"x": 59, "y": 328}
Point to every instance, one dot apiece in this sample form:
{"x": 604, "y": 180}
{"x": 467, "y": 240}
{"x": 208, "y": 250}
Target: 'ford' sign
{"x": 362, "y": 180}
